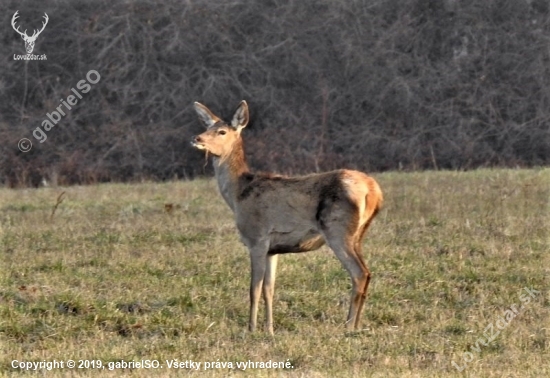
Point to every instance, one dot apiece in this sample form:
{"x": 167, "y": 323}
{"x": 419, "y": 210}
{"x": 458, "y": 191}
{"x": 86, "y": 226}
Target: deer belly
{"x": 292, "y": 242}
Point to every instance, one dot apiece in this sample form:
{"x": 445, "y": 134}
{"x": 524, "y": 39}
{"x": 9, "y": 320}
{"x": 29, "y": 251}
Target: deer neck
{"x": 228, "y": 169}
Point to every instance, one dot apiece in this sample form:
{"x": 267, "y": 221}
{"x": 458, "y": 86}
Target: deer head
{"x": 219, "y": 137}
{"x": 29, "y": 41}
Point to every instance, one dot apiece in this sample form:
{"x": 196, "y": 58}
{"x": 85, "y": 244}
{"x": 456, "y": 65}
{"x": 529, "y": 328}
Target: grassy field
{"x": 155, "y": 271}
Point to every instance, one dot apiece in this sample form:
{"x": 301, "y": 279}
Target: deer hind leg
{"x": 342, "y": 242}
{"x": 358, "y": 252}
{"x": 269, "y": 289}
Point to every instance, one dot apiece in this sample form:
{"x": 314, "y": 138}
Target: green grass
{"x": 113, "y": 276}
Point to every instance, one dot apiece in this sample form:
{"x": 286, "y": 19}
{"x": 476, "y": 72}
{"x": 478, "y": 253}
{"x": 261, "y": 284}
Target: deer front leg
{"x": 269, "y": 289}
{"x": 258, "y": 265}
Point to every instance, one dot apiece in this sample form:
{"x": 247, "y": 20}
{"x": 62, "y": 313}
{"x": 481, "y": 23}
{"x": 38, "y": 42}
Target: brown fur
{"x": 278, "y": 214}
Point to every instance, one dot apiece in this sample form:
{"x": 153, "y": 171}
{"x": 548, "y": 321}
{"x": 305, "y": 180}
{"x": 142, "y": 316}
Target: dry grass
{"x": 156, "y": 272}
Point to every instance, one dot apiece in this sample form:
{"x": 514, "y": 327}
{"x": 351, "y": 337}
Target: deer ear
{"x": 240, "y": 118}
{"x": 205, "y": 115}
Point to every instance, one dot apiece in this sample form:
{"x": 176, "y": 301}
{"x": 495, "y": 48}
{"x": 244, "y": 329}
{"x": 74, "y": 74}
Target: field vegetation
{"x": 155, "y": 271}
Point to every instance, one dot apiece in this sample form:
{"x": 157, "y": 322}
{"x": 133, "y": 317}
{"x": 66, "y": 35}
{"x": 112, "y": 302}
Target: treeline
{"x": 385, "y": 85}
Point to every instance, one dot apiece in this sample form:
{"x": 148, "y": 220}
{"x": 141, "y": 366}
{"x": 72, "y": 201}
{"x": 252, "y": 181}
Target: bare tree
{"x": 388, "y": 85}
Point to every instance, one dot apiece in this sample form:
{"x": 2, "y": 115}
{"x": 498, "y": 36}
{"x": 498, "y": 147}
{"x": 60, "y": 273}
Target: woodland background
{"x": 374, "y": 85}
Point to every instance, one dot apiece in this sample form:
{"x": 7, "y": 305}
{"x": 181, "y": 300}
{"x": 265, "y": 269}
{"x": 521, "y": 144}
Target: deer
{"x": 277, "y": 214}
{"x": 29, "y": 41}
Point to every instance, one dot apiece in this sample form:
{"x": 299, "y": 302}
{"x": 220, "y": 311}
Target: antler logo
{"x": 29, "y": 41}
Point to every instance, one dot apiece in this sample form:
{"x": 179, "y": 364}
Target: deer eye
{"x": 222, "y": 132}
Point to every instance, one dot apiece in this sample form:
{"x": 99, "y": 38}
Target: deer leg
{"x": 366, "y": 270}
{"x": 359, "y": 279}
{"x": 362, "y": 300}
{"x": 269, "y": 289}
{"x": 359, "y": 274}
{"x": 359, "y": 254}
{"x": 258, "y": 262}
